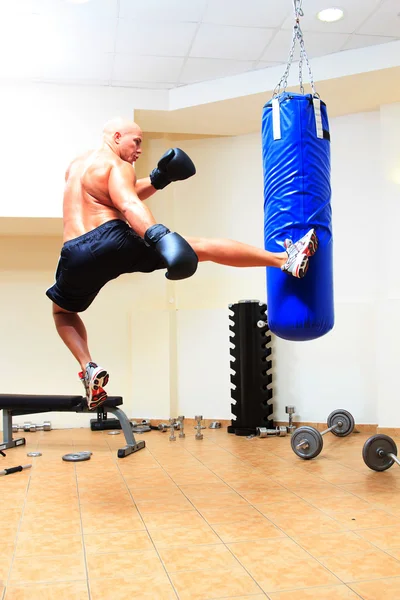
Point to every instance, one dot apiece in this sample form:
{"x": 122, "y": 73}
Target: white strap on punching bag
{"x": 318, "y": 118}
{"x": 276, "y": 119}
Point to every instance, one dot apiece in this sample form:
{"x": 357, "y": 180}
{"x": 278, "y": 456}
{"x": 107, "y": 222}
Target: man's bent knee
{"x": 57, "y": 310}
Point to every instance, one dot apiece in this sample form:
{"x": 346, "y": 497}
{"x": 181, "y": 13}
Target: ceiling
{"x": 163, "y": 44}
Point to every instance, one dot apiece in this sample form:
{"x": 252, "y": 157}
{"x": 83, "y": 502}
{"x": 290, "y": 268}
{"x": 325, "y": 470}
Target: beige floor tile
{"x": 91, "y": 523}
{"x": 34, "y": 569}
{"x": 5, "y": 564}
{"x": 252, "y": 529}
{"x": 383, "y": 537}
{"x": 140, "y": 563}
{"x": 395, "y": 552}
{"x": 301, "y": 574}
{"x": 159, "y": 495}
{"x": 129, "y": 541}
{"x": 337, "y": 592}
{"x": 172, "y": 505}
{"x": 8, "y": 534}
{"x": 48, "y": 545}
{"x": 347, "y": 503}
{"x": 286, "y": 510}
{"x": 183, "y": 518}
{"x": 198, "y": 558}
{"x": 183, "y": 536}
{"x": 252, "y": 597}
{"x": 366, "y": 519}
{"x": 326, "y": 544}
{"x": 227, "y": 500}
{"x": 200, "y": 489}
{"x": 61, "y": 591}
{"x": 317, "y": 523}
{"x": 284, "y": 549}
{"x": 270, "y": 496}
{"x": 231, "y": 515}
{"x": 382, "y": 589}
{"x": 157, "y": 587}
{"x": 215, "y": 583}
{"x": 371, "y": 564}
{"x": 53, "y": 525}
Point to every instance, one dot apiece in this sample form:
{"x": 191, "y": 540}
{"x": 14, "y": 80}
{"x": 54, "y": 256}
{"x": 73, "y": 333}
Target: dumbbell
{"x": 46, "y": 426}
{"x": 307, "y": 441}
{"x": 264, "y": 432}
{"x": 289, "y": 410}
{"x": 181, "y": 420}
{"x": 172, "y": 436}
{"x": 380, "y": 452}
{"x": 198, "y": 427}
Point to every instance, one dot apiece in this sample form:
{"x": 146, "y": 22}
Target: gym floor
{"x": 224, "y": 517}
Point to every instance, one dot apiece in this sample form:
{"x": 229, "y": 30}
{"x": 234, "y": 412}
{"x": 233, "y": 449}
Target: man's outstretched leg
{"x": 235, "y": 254}
{"x": 72, "y": 331}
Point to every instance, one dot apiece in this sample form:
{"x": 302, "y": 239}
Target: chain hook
{"x": 297, "y": 35}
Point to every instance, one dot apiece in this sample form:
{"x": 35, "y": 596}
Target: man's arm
{"x": 144, "y": 189}
{"x": 123, "y": 194}
{"x": 179, "y": 257}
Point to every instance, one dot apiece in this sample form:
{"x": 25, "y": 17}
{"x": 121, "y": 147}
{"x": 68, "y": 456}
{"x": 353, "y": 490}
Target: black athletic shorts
{"x": 89, "y": 261}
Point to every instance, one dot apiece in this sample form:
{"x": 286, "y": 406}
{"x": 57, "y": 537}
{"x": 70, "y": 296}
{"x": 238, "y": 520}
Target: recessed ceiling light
{"x": 330, "y": 15}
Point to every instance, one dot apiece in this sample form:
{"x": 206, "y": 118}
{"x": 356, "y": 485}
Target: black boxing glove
{"x": 174, "y": 165}
{"x": 180, "y": 258}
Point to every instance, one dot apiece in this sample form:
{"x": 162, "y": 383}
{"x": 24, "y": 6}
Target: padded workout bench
{"x": 13, "y": 405}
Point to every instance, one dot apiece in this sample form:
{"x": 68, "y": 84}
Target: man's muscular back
{"x": 87, "y": 201}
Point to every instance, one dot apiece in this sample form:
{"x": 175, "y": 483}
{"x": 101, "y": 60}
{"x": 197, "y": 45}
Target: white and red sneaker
{"x": 299, "y": 253}
{"x": 94, "y": 379}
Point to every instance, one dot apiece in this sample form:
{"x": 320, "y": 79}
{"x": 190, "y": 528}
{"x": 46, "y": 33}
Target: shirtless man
{"x": 108, "y": 231}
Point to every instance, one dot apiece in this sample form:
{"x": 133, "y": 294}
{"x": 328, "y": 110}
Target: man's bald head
{"x": 124, "y": 137}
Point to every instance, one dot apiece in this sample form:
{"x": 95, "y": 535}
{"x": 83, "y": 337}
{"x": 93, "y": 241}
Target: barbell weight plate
{"x": 371, "y": 455}
{"x": 34, "y": 454}
{"x": 312, "y": 437}
{"x": 347, "y": 422}
{"x": 76, "y": 456}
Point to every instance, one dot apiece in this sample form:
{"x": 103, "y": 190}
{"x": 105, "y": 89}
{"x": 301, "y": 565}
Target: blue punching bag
{"x": 297, "y": 194}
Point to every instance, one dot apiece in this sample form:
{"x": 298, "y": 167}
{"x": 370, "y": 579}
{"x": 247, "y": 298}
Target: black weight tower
{"x": 251, "y": 363}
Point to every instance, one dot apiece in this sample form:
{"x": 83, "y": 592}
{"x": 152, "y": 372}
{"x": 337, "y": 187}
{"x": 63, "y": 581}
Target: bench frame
{"x": 8, "y": 442}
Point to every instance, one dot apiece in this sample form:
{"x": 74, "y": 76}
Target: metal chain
{"x": 297, "y": 35}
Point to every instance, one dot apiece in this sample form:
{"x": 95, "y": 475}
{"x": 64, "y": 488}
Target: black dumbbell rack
{"x": 251, "y": 365}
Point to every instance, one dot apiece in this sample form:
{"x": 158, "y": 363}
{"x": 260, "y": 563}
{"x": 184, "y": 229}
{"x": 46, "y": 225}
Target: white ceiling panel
{"x": 93, "y": 9}
{"x": 144, "y": 84}
{"x": 363, "y": 41}
{"x": 131, "y": 68}
{"x": 385, "y": 21}
{"x": 251, "y": 13}
{"x": 316, "y": 44}
{"x": 28, "y": 45}
{"x": 154, "y": 39}
{"x": 356, "y": 11}
{"x": 168, "y": 43}
{"x": 84, "y": 33}
{"x": 239, "y": 43}
{"x": 87, "y": 67}
{"x": 202, "y": 69}
{"x": 265, "y": 64}
{"x": 16, "y": 7}
{"x": 162, "y": 10}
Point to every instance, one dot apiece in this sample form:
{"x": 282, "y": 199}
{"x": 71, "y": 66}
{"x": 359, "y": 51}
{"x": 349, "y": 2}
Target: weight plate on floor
{"x": 312, "y": 437}
{"x": 114, "y": 433}
{"x": 76, "y": 456}
{"x": 34, "y": 454}
{"x": 347, "y": 420}
{"x": 375, "y": 452}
